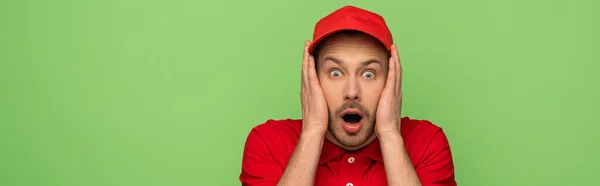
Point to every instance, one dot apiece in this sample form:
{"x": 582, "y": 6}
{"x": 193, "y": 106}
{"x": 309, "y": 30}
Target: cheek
{"x": 333, "y": 92}
{"x": 371, "y": 94}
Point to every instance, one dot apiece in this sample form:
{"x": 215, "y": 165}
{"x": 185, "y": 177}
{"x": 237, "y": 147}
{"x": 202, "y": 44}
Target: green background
{"x": 129, "y": 92}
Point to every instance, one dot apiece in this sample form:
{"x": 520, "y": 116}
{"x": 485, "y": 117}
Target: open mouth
{"x": 352, "y": 118}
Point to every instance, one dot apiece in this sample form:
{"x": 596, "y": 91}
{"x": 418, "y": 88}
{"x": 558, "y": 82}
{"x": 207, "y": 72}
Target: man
{"x": 351, "y": 132}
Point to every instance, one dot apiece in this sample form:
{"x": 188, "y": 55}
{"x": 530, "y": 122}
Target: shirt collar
{"x": 373, "y": 151}
{"x": 330, "y": 151}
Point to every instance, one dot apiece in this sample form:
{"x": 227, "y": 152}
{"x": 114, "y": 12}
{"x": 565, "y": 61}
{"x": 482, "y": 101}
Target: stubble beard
{"x": 348, "y": 139}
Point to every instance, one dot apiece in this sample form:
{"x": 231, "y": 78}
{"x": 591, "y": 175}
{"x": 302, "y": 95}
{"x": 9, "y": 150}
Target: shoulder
{"x": 429, "y": 150}
{"x": 422, "y": 137}
{"x": 275, "y": 129}
{"x": 411, "y": 128}
{"x": 267, "y": 150}
{"x": 275, "y": 138}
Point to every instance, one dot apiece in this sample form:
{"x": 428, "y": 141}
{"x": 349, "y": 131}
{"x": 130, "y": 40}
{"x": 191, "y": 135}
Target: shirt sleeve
{"x": 437, "y": 167}
{"x": 259, "y": 167}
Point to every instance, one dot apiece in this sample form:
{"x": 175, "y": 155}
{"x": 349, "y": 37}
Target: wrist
{"x": 391, "y": 134}
{"x": 311, "y": 141}
{"x": 311, "y": 134}
{"x": 313, "y": 129}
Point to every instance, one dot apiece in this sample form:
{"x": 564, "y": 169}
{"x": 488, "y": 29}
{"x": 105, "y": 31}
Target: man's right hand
{"x": 314, "y": 106}
{"x": 302, "y": 167}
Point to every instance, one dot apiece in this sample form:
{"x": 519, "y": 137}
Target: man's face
{"x": 352, "y": 71}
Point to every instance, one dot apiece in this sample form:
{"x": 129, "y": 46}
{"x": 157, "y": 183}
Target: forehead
{"x": 351, "y": 44}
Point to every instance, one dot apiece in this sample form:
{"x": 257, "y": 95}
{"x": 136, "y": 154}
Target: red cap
{"x": 352, "y": 18}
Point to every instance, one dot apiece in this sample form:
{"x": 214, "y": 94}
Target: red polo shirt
{"x": 269, "y": 147}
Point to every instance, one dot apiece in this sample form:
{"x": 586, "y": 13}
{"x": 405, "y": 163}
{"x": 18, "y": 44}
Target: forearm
{"x": 397, "y": 163}
{"x": 302, "y": 166}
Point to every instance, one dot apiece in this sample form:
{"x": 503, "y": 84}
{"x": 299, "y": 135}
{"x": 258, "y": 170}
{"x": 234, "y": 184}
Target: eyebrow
{"x": 363, "y": 64}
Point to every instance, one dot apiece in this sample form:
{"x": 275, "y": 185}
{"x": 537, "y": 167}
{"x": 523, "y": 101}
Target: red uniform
{"x": 269, "y": 147}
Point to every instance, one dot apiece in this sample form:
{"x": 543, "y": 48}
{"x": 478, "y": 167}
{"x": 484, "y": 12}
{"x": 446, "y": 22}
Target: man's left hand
{"x": 390, "y": 102}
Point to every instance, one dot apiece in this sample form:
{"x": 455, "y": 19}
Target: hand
{"x": 314, "y": 106}
{"x": 390, "y": 102}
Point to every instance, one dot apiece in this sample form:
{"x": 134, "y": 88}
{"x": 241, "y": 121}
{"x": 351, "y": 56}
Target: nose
{"x": 352, "y": 90}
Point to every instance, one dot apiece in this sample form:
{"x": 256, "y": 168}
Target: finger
{"x": 391, "y": 76}
{"x": 305, "y": 63}
{"x": 398, "y": 68}
{"x": 312, "y": 72}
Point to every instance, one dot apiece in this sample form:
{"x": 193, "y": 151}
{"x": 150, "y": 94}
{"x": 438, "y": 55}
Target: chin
{"x": 351, "y": 140}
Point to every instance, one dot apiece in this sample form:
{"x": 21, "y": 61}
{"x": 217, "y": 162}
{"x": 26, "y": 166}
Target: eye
{"x": 368, "y": 75}
{"x": 336, "y": 73}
